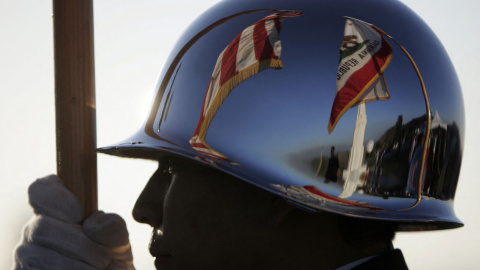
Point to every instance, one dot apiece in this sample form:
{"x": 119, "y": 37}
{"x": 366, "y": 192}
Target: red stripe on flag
{"x": 316, "y": 191}
{"x": 229, "y": 61}
{"x": 263, "y": 48}
{"x": 278, "y": 24}
{"x": 351, "y": 91}
{"x": 202, "y": 116}
{"x": 199, "y": 145}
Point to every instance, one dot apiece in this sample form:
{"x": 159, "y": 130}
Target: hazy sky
{"x": 132, "y": 39}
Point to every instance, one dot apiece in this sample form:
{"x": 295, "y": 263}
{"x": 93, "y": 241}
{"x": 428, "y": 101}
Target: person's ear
{"x": 279, "y": 211}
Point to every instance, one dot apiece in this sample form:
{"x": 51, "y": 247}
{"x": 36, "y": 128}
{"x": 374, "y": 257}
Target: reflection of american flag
{"x": 256, "y": 48}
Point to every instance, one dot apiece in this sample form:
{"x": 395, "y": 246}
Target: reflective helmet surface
{"x": 254, "y": 88}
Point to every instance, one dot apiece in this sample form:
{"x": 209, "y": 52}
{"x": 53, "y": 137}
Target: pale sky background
{"x": 132, "y": 40}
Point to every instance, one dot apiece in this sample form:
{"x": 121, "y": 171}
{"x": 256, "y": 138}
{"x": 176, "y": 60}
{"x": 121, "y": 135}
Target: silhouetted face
{"x": 203, "y": 219}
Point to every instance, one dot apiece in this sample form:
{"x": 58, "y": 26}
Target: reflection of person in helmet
{"x": 415, "y": 161}
{"x": 240, "y": 201}
{"x": 333, "y": 167}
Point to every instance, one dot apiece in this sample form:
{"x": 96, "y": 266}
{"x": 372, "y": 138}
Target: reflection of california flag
{"x": 364, "y": 55}
{"x": 256, "y": 48}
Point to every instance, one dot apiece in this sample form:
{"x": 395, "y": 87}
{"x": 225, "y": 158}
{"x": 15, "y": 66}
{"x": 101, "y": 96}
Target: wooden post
{"x": 75, "y": 99}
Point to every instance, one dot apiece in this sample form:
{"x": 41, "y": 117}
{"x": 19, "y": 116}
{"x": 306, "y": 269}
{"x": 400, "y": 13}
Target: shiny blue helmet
{"x": 351, "y": 107}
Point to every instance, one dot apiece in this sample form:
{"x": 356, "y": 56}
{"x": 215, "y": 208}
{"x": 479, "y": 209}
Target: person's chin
{"x": 165, "y": 262}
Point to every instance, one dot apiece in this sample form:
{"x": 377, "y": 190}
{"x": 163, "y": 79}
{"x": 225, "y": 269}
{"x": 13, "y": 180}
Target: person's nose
{"x": 149, "y": 206}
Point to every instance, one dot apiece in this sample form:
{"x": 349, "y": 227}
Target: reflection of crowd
{"x": 398, "y": 155}
{"x": 394, "y": 161}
